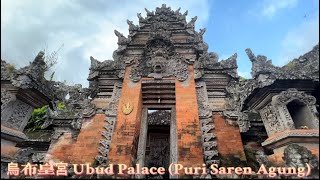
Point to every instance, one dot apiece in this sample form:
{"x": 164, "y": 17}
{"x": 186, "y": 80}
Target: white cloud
{"x": 299, "y": 40}
{"x": 86, "y": 28}
{"x": 271, "y": 7}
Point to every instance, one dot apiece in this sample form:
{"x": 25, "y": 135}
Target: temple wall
{"x": 228, "y": 138}
{"x": 187, "y": 121}
{"x": 84, "y": 149}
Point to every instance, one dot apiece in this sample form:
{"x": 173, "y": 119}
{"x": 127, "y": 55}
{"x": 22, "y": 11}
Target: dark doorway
{"x": 300, "y": 114}
{"x": 158, "y": 141}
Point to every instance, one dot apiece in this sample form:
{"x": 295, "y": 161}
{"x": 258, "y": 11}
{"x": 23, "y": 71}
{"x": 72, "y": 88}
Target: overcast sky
{"x": 279, "y": 29}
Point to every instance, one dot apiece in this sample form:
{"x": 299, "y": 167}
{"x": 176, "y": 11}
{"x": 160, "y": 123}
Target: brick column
{"x": 188, "y": 126}
{"x": 124, "y": 141}
{"x": 228, "y": 138}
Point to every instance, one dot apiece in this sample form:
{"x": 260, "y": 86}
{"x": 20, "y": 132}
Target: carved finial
{"x": 140, "y": 17}
{"x": 250, "y": 54}
{"x": 164, "y": 6}
{"x": 192, "y": 22}
{"x": 132, "y": 27}
{"x": 94, "y": 63}
{"x": 148, "y": 12}
{"x": 177, "y": 11}
{"x": 117, "y": 33}
{"x": 186, "y": 13}
{"x": 194, "y": 19}
{"x": 122, "y": 40}
{"x": 202, "y": 31}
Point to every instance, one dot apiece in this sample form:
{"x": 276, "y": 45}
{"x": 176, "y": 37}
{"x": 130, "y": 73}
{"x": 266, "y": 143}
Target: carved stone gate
{"x": 163, "y": 64}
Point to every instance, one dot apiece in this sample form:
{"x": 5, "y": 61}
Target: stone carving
{"x": 38, "y": 157}
{"x": 111, "y": 113}
{"x": 23, "y": 155}
{"x": 29, "y": 77}
{"x": 265, "y": 73}
{"x": 160, "y": 117}
{"x": 69, "y": 118}
{"x": 280, "y": 101}
{"x": 141, "y": 20}
{"x": 121, "y": 39}
{"x": 160, "y": 61}
{"x": 158, "y": 154}
{"x": 6, "y": 97}
{"x": 286, "y": 96}
{"x": 127, "y": 108}
{"x": 276, "y": 116}
{"x": 270, "y": 119}
{"x": 206, "y": 123}
{"x": 243, "y": 122}
{"x": 209, "y": 62}
{"x": 192, "y": 22}
{"x": 261, "y": 157}
{"x": 115, "y": 67}
{"x": 148, "y": 12}
{"x": 16, "y": 114}
{"x": 132, "y": 27}
{"x": 297, "y": 156}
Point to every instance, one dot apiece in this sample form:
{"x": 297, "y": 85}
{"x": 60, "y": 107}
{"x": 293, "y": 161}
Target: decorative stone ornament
{"x": 127, "y": 108}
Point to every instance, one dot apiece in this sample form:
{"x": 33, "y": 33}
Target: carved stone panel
{"x": 160, "y": 117}
{"x": 111, "y": 113}
{"x": 6, "y": 97}
{"x": 281, "y": 101}
{"x": 271, "y": 120}
{"x": 277, "y": 118}
{"x": 209, "y": 142}
{"x": 16, "y": 114}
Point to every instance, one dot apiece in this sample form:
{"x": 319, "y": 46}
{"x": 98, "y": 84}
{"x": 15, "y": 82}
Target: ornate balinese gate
{"x": 163, "y": 64}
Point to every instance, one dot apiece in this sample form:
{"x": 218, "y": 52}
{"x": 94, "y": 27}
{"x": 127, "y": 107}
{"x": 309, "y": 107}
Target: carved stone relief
{"x": 276, "y": 116}
{"x": 111, "y": 113}
{"x": 160, "y": 117}
{"x": 297, "y": 156}
{"x": 206, "y": 123}
{"x": 16, "y": 114}
{"x": 160, "y": 61}
{"x": 271, "y": 120}
{"x": 280, "y": 104}
{"x": 6, "y": 97}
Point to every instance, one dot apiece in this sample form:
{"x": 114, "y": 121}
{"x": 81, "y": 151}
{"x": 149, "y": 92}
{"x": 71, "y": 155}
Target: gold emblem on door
{"x": 127, "y": 108}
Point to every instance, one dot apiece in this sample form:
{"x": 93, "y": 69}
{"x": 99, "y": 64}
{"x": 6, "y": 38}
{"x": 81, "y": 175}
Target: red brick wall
{"x": 85, "y": 148}
{"x": 127, "y": 128}
{"x": 188, "y": 125}
{"x": 228, "y": 138}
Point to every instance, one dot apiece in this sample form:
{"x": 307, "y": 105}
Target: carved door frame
{"x": 144, "y": 133}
